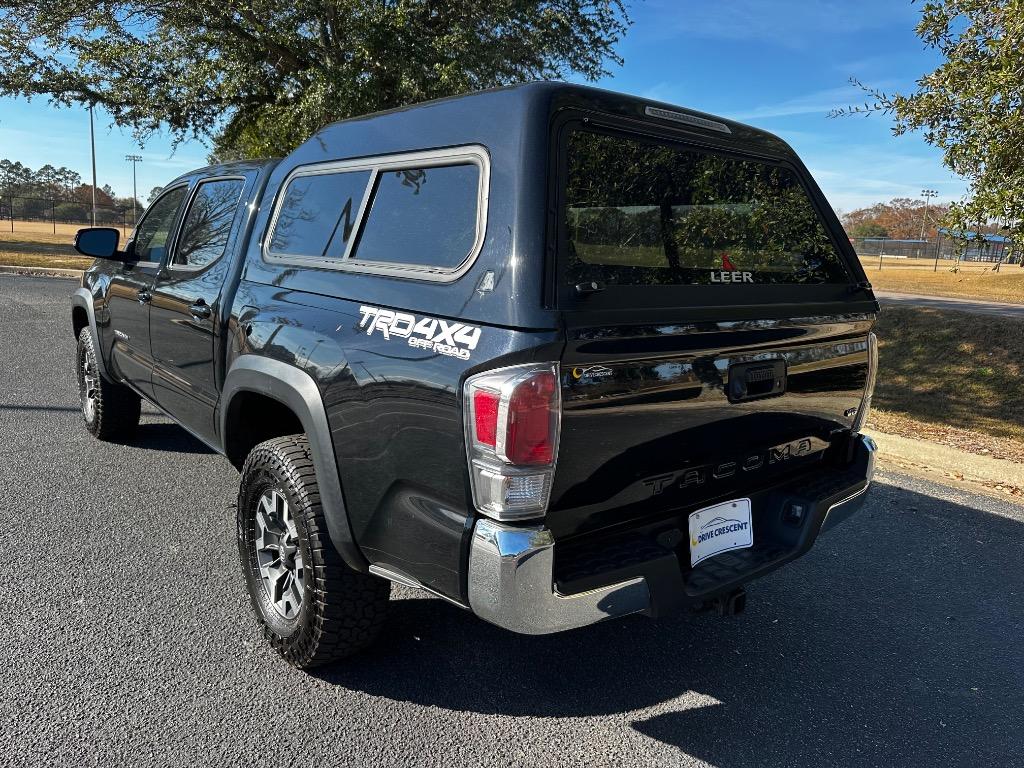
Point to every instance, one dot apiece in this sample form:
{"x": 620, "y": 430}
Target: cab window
{"x": 155, "y": 228}
{"x": 207, "y": 224}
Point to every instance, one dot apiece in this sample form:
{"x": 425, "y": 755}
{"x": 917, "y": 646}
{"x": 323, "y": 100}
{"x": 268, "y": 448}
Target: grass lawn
{"x": 973, "y": 283}
{"x": 40, "y": 248}
{"x": 44, "y": 230}
{"x": 30, "y": 259}
{"x": 952, "y": 377}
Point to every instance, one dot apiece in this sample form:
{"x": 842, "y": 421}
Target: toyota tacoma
{"x": 553, "y": 354}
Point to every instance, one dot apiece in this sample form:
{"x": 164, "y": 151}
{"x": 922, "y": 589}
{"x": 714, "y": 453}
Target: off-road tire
{"x": 111, "y": 411}
{"x": 341, "y": 610}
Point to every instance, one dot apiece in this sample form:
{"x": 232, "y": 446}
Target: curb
{"x": 41, "y": 271}
{"x": 945, "y": 462}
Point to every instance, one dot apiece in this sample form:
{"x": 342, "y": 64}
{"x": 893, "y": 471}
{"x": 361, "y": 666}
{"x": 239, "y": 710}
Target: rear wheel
{"x": 314, "y": 609}
{"x": 111, "y": 411}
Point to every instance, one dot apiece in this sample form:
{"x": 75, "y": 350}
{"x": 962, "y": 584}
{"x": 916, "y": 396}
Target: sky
{"x": 779, "y": 65}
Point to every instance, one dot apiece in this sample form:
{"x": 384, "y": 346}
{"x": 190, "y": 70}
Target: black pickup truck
{"x": 550, "y": 353}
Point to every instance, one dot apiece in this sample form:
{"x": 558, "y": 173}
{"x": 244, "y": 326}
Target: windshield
{"x": 644, "y": 213}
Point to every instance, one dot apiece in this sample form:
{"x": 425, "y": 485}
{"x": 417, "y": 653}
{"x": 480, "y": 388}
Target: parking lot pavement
{"x": 128, "y": 639}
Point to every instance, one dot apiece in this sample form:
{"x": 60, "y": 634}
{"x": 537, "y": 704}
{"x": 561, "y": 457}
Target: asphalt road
{"x": 1000, "y": 309}
{"x": 128, "y": 639}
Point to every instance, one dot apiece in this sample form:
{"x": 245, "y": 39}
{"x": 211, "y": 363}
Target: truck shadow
{"x": 166, "y": 436}
{"x": 895, "y": 642}
{"x": 150, "y": 435}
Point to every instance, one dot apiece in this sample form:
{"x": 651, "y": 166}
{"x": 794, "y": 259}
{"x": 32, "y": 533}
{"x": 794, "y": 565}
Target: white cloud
{"x": 860, "y": 176}
{"x": 817, "y": 102}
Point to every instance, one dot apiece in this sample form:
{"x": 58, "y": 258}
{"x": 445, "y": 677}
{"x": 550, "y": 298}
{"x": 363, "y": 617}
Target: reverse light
{"x": 512, "y": 424}
{"x": 869, "y": 386}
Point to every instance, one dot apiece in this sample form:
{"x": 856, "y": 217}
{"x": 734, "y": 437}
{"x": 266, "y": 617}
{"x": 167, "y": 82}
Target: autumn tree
{"x": 259, "y": 77}
{"x": 901, "y": 218}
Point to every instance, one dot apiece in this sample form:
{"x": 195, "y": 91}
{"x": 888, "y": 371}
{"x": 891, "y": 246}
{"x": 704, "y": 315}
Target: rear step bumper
{"x": 513, "y": 581}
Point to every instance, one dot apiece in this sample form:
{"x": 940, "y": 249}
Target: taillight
{"x": 512, "y": 424}
{"x": 485, "y": 416}
{"x": 869, "y": 386}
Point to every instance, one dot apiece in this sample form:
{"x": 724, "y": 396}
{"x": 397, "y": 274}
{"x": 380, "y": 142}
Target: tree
{"x": 902, "y": 218}
{"x": 83, "y": 194}
{"x": 971, "y": 106}
{"x": 71, "y": 212}
{"x": 867, "y": 229}
{"x": 153, "y": 194}
{"x": 126, "y": 202}
{"x": 15, "y": 178}
{"x": 48, "y": 182}
{"x": 261, "y": 76}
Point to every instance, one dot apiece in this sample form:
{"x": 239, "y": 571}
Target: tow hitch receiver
{"x": 733, "y": 603}
{"x": 730, "y": 604}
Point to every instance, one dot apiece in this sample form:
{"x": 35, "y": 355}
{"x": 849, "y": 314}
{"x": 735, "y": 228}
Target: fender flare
{"x": 82, "y": 297}
{"x": 296, "y": 389}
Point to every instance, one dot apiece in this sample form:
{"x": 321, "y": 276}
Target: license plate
{"x": 720, "y": 528}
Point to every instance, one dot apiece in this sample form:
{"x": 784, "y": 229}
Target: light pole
{"x": 92, "y": 142}
{"x": 927, "y": 194}
{"x": 133, "y": 159}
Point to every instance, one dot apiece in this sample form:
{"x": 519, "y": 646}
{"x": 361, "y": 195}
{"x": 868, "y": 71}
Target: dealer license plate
{"x": 720, "y": 528}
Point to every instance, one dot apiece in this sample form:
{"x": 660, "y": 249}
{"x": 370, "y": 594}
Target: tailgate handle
{"x": 753, "y": 381}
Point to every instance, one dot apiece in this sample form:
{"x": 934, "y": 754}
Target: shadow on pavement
{"x": 154, "y": 436}
{"x": 166, "y": 436}
{"x": 895, "y": 642}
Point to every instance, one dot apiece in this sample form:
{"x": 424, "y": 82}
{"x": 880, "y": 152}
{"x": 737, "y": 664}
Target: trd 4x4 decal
{"x": 440, "y": 336}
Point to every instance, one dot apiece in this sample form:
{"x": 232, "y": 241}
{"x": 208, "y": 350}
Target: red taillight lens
{"x": 485, "y": 416}
{"x": 530, "y": 431}
{"x": 512, "y": 418}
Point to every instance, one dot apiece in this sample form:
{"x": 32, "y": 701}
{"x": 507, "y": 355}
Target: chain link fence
{"x": 936, "y": 254}
{"x": 59, "y": 216}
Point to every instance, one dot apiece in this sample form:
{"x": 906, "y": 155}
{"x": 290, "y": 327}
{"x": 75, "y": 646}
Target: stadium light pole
{"x": 133, "y": 159}
{"x": 92, "y": 143}
{"x": 927, "y": 194}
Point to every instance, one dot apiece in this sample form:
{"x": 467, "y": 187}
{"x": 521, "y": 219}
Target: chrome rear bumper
{"x": 867, "y": 450}
{"x": 511, "y": 584}
{"x": 511, "y": 572}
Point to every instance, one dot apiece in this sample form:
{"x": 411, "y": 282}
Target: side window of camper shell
{"x": 419, "y": 215}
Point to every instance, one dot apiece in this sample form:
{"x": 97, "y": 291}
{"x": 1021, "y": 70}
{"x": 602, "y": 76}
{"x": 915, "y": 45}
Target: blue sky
{"x": 778, "y": 65}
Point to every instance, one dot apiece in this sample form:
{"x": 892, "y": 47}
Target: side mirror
{"x": 99, "y": 243}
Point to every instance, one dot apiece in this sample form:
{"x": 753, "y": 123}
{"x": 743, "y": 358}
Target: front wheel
{"x": 314, "y": 609}
{"x": 111, "y": 411}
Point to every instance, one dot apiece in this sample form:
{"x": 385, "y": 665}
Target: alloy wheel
{"x": 278, "y": 554}
{"x": 87, "y": 387}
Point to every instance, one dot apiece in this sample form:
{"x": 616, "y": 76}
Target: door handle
{"x": 201, "y": 310}
{"x": 145, "y": 297}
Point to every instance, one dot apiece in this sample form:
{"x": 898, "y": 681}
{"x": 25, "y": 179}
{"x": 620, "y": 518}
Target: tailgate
{"x": 658, "y": 418}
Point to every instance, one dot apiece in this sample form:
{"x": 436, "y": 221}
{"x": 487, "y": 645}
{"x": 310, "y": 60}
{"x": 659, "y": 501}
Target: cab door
{"x": 130, "y": 292}
{"x": 185, "y": 311}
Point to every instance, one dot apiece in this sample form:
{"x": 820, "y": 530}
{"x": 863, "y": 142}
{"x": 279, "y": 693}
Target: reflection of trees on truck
{"x": 672, "y": 210}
